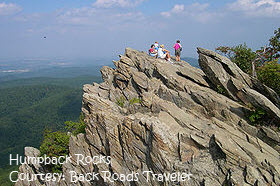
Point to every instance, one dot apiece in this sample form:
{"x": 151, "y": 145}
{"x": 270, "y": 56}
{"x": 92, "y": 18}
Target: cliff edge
{"x": 151, "y": 115}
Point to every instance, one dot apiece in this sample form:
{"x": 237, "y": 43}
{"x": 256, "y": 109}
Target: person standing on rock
{"x": 178, "y": 49}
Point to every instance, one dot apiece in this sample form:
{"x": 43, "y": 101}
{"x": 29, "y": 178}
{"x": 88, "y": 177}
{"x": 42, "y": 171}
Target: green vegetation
{"x": 75, "y": 82}
{"x": 33, "y": 101}
{"x": 5, "y": 173}
{"x": 241, "y": 55}
{"x": 29, "y": 106}
{"x": 122, "y": 102}
{"x": 274, "y": 46}
{"x": 221, "y": 90}
{"x": 55, "y": 144}
{"x": 134, "y": 101}
{"x": 269, "y": 74}
{"x": 257, "y": 116}
{"x": 26, "y": 111}
{"x": 76, "y": 127}
{"x": 244, "y": 57}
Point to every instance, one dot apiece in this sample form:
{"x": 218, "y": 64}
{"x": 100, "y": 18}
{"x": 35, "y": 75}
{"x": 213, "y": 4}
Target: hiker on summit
{"x": 153, "y": 51}
{"x": 163, "y": 53}
{"x": 178, "y": 49}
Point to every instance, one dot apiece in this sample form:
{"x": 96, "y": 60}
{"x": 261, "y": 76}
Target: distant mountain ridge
{"x": 53, "y": 72}
{"x": 62, "y": 71}
{"x": 192, "y": 61}
{"x": 75, "y": 82}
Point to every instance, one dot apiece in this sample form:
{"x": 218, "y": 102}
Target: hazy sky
{"x": 101, "y": 28}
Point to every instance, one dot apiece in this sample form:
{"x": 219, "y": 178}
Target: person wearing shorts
{"x": 178, "y": 49}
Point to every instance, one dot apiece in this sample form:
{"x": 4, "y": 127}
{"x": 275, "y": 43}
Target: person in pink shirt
{"x": 178, "y": 49}
{"x": 153, "y": 51}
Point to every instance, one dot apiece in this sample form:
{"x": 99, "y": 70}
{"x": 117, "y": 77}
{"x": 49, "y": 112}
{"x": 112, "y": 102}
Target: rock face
{"x": 150, "y": 115}
{"x": 237, "y": 84}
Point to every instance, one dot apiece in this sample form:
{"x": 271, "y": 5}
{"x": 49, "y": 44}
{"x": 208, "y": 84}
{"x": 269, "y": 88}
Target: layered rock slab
{"x": 238, "y": 85}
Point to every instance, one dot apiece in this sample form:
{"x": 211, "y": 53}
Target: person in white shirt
{"x": 156, "y": 45}
{"x": 163, "y": 53}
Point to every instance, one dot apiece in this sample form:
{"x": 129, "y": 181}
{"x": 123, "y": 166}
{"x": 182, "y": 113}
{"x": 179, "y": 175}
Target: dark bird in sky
{"x": 45, "y": 37}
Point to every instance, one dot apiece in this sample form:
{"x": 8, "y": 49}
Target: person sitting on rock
{"x": 163, "y": 53}
{"x": 156, "y": 45}
{"x": 153, "y": 51}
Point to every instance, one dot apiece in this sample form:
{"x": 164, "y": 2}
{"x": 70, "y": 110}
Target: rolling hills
{"x": 28, "y": 106}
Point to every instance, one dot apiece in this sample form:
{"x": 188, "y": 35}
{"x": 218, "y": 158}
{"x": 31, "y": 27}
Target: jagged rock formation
{"x": 149, "y": 114}
{"x": 237, "y": 84}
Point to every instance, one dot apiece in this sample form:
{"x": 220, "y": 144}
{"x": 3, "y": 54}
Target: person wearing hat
{"x": 163, "y": 53}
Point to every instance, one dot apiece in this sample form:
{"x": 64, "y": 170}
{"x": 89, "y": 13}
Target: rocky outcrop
{"x": 30, "y": 169}
{"x": 150, "y": 115}
{"x": 237, "y": 84}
